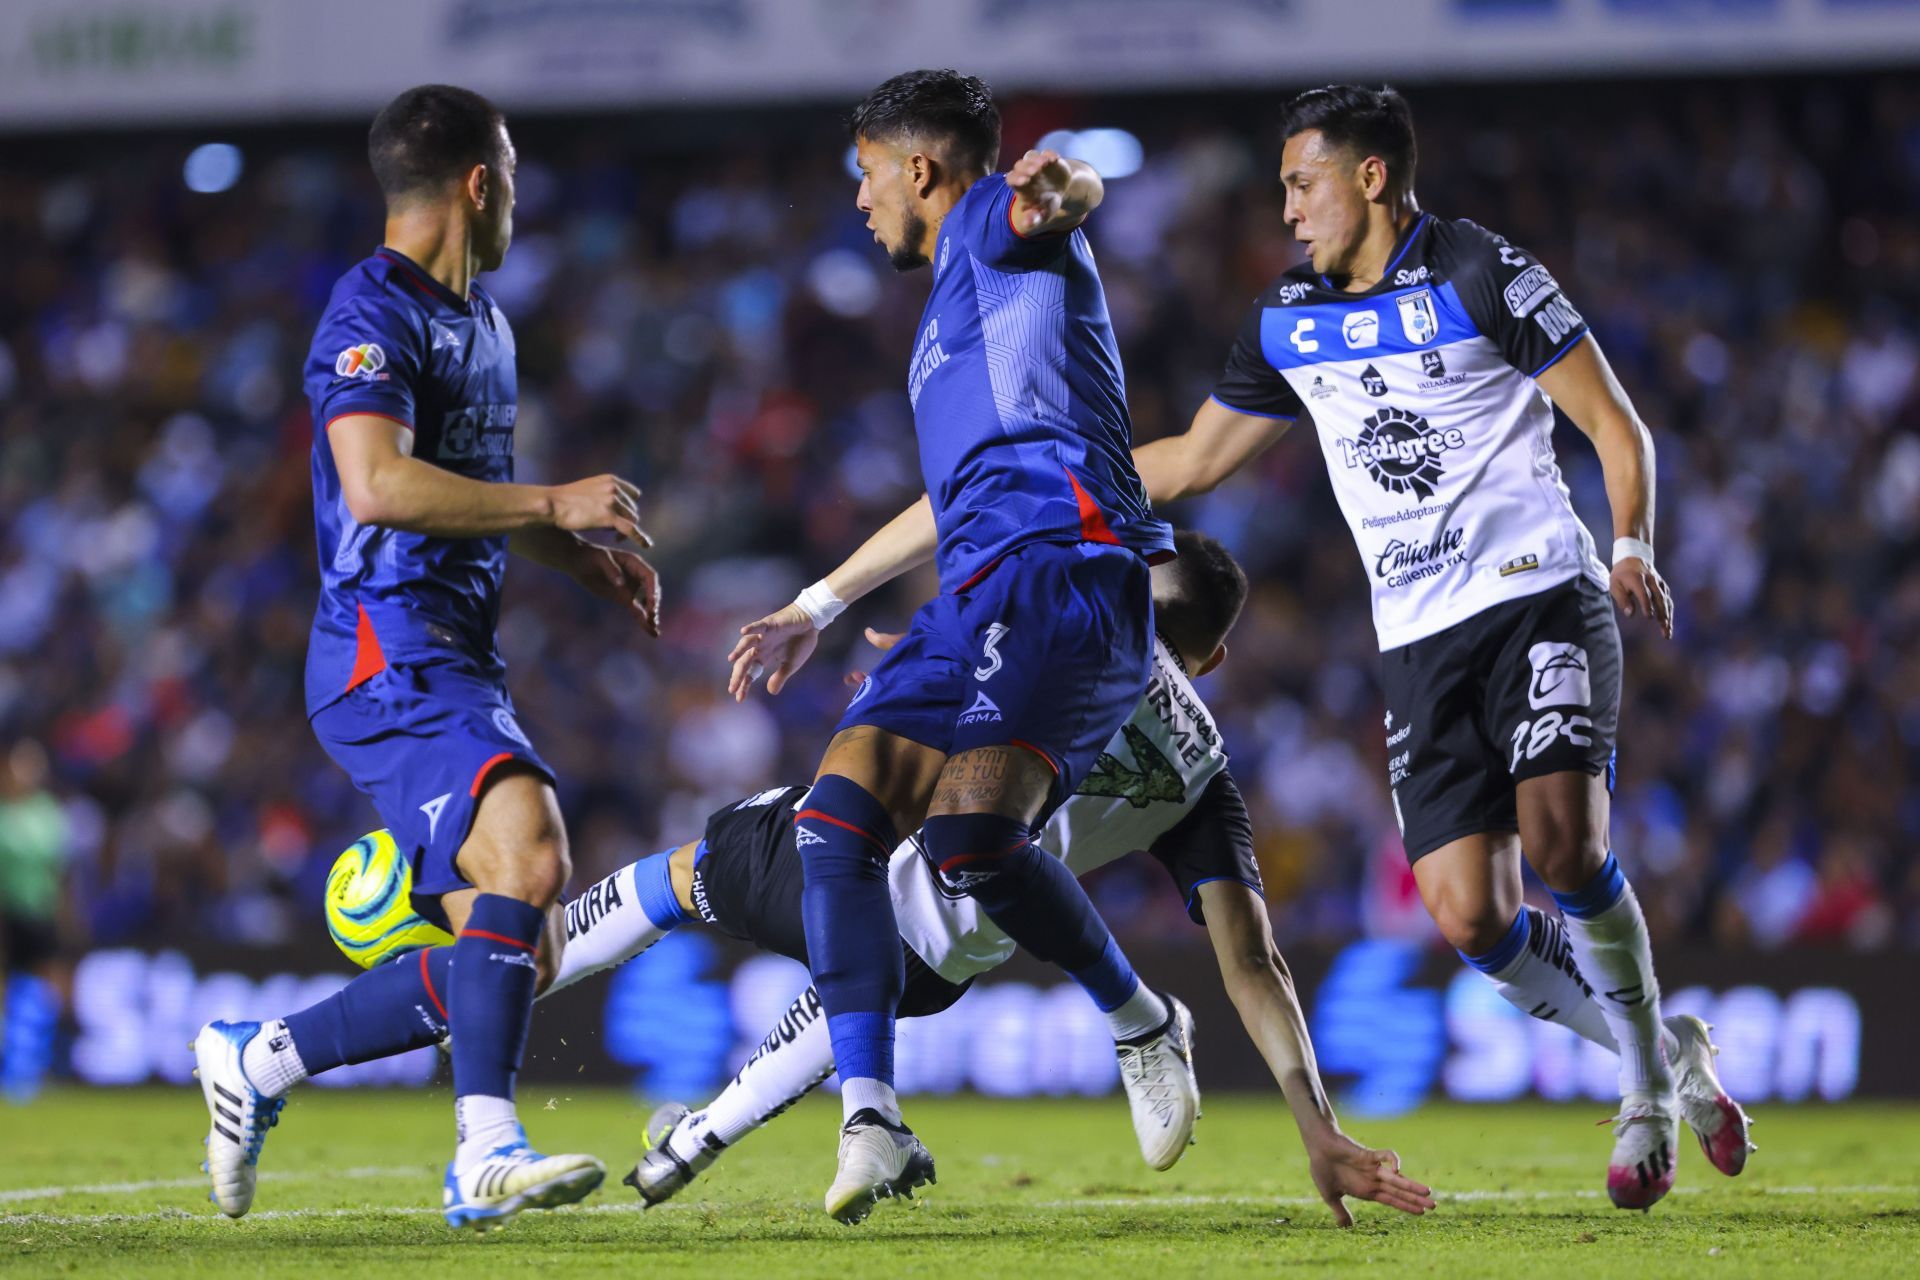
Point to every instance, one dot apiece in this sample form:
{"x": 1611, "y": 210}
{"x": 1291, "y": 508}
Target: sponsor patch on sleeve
{"x": 360, "y": 361}
{"x": 1526, "y": 290}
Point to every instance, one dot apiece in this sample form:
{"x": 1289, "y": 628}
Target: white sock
{"x": 1613, "y": 952}
{"x": 862, "y": 1093}
{"x": 271, "y": 1060}
{"x": 483, "y": 1123}
{"x": 606, "y": 926}
{"x": 1544, "y": 982}
{"x": 796, "y": 1056}
{"x": 1140, "y": 1014}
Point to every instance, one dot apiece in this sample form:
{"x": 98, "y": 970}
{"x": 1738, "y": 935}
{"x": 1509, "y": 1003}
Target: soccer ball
{"x": 369, "y": 908}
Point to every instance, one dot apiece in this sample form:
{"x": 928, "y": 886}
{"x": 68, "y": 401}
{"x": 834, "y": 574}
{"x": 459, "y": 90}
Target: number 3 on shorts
{"x": 996, "y": 632}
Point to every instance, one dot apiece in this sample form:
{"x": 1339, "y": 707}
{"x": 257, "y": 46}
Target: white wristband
{"x": 1623, "y": 548}
{"x": 820, "y": 604}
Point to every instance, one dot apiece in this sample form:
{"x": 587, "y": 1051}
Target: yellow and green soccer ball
{"x": 369, "y": 904}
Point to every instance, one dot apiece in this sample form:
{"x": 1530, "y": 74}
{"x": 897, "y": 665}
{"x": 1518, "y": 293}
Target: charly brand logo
{"x": 1371, "y": 380}
{"x": 1401, "y": 451}
{"x": 1560, "y": 676}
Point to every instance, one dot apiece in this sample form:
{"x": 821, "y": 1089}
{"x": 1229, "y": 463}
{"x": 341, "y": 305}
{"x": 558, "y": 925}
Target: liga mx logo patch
{"x": 1560, "y": 676}
{"x": 362, "y": 361}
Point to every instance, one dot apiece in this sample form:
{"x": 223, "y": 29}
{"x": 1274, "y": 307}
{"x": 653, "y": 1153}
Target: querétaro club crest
{"x": 1402, "y": 452}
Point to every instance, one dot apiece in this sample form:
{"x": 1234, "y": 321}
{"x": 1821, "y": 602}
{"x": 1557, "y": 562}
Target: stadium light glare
{"x": 1113, "y": 153}
{"x": 212, "y": 168}
{"x": 853, "y": 163}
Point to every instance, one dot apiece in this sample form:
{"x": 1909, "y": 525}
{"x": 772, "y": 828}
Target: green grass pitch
{"x": 105, "y": 1184}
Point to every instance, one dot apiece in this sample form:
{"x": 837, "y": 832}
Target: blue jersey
{"x": 398, "y": 344}
{"x": 1018, "y": 398}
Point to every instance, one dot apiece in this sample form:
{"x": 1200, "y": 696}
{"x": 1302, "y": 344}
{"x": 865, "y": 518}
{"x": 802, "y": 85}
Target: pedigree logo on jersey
{"x": 362, "y": 361}
{"x": 1401, "y": 451}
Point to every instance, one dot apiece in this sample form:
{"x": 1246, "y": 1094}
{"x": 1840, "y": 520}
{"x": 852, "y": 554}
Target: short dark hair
{"x": 1203, "y": 593}
{"x": 956, "y": 111}
{"x": 1362, "y": 122}
{"x": 430, "y": 136}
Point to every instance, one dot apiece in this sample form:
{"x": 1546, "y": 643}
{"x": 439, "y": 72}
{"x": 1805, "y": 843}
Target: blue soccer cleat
{"x": 240, "y": 1114}
{"x": 513, "y": 1177}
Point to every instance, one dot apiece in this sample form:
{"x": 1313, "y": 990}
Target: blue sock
{"x": 26, "y": 1045}
{"x": 653, "y": 880}
{"x": 1597, "y": 894}
{"x": 845, "y": 837}
{"x": 1034, "y": 897}
{"x": 1503, "y": 952}
{"x": 490, "y": 993}
{"x": 389, "y": 1009}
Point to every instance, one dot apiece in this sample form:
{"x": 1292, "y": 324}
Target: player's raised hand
{"x": 1342, "y": 1167}
{"x": 1042, "y": 185}
{"x": 624, "y": 578}
{"x": 1639, "y": 589}
{"x": 600, "y": 502}
{"x": 782, "y": 641}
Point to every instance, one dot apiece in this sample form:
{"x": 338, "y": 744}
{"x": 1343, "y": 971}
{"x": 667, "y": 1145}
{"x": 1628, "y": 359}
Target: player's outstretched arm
{"x": 1052, "y": 194}
{"x": 1219, "y": 442}
{"x": 782, "y": 641}
{"x": 383, "y": 484}
{"x": 1256, "y": 978}
{"x": 611, "y": 573}
{"x": 1582, "y": 383}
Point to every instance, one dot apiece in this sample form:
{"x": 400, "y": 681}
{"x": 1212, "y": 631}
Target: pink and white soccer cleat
{"x": 1644, "y": 1155}
{"x": 1717, "y": 1120}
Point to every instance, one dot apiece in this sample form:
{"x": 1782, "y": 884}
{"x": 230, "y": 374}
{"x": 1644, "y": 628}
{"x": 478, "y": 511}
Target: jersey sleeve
{"x": 1213, "y": 842}
{"x": 1250, "y": 383}
{"x": 366, "y": 358}
{"x": 998, "y": 245}
{"x": 1515, "y": 301}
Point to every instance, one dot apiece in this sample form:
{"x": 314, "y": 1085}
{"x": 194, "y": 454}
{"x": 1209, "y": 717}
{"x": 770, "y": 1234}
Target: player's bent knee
{"x": 1474, "y": 929}
{"x": 969, "y": 847}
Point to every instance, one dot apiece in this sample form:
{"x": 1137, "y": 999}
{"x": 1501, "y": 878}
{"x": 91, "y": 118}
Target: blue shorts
{"x": 420, "y": 739}
{"x": 1049, "y": 651}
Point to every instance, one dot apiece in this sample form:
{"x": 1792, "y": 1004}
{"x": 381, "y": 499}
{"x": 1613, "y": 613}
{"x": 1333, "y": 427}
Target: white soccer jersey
{"x": 1437, "y": 438}
{"x": 1161, "y": 785}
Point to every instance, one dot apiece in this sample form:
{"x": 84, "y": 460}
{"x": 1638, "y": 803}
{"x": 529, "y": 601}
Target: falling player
{"x": 412, "y": 381}
{"x": 1011, "y": 681}
{"x": 1426, "y": 351}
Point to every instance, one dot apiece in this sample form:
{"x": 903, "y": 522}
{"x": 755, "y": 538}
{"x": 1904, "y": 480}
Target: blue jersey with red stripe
{"x": 396, "y": 343}
{"x": 1019, "y": 402}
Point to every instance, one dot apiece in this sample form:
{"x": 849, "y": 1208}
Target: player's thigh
{"x": 1010, "y": 781}
{"x": 894, "y": 735}
{"x": 1445, "y": 777}
{"x": 1563, "y": 826}
{"x": 1059, "y": 639}
{"x": 1471, "y": 887}
{"x": 517, "y": 842}
{"x": 898, "y": 772}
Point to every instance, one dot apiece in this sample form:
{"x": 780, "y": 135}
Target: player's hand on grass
{"x": 600, "y": 502}
{"x": 1638, "y": 589}
{"x": 781, "y": 642}
{"x": 881, "y": 640}
{"x": 1039, "y": 181}
{"x": 1342, "y": 1167}
{"x": 626, "y": 579}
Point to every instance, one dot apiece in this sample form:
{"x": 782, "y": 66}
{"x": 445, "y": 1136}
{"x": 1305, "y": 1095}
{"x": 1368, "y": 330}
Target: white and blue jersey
{"x": 1438, "y": 441}
{"x": 1019, "y": 402}
{"x": 396, "y": 343}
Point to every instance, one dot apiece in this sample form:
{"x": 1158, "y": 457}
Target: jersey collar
{"x": 418, "y": 277}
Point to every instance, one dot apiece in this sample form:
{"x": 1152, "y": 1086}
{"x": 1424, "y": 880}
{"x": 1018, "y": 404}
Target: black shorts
{"x": 1526, "y": 688}
{"x": 747, "y": 882}
{"x": 28, "y": 942}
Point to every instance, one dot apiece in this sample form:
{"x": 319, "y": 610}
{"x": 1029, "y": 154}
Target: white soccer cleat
{"x": 1716, "y": 1119}
{"x": 660, "y": 1174}
{"x": 1645, "y": 1156}
{"x": 876, "y": 1159}
{"x": 1161, "y": 1090}
{"x": 513, "y": 1177}
{"x": 239, "y": 1114}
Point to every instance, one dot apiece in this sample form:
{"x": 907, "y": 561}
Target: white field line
{"x": 1087, "y": 1202}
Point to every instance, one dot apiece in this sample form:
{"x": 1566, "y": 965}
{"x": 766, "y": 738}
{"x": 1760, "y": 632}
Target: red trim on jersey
{"x": 363, "y": 413}
{"x": 876, "y": 841}
{"x": 369, "y": 660}
{"x": 1093, "y": 525}
{"x": 496, "y": 937}
{"x": 985, "y": 569}
{"x": 1039, "y": 751}
{"x": 426, "y": 980}
{"x": 486, "y": 769}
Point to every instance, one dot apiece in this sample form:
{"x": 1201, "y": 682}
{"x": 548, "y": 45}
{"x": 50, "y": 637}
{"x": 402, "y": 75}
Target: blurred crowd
{"x": 698, "y": 307}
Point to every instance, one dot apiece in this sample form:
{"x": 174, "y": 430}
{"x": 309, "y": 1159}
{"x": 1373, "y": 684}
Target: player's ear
{"x": 923, "y": 171}
{"x": 1218, "y": 656}
{"x": 479, "y": 186}
{"x": 1373, "y": 178}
